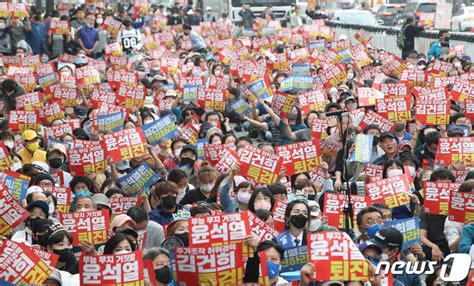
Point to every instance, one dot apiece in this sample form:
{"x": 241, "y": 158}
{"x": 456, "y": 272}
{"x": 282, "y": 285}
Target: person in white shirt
{"x": 224, "y": 20}
{"x": 130, "y": 38}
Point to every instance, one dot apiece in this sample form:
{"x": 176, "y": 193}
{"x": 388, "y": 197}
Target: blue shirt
{"x": 37, "y": 38}
{"x": 197, "y": 41}
{"x": 159, "y": 216}
{"x": 88, "y": 36}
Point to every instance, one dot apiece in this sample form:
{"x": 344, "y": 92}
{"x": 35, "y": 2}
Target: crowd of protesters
{"x": 190, "y": 185}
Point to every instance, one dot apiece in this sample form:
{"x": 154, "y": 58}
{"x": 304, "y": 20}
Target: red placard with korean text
{"x": 336, "y": 257}
{"x": 454, "y": 149}
{"x": 440, "y": 68}
{"x": 91, "y": 226}
{"x": 59, "y": 27}
{"x": 98, "y": 96}
{"x": 332, "y": 75}
{"x": 65, "y": 96}
{"x": 123, "y": 204}
{"x": 125, "y": 144}
{"x": 373, "y": 172}
{"x": 113, "y": 49}
{"x": 211, "y": 98}
{"x": 300, "y": 157}
{"x": 461, "y": 207}
{"x": 131, "y": 97}
{"x": 368, "y": 96}
{"x": 88, "y": 159}
{"x": 393, "y": 192}
{"x": 393, "y": 66}
{"x": 118, "y": 269}
{"x": 259, "y": 166}
{"x": 261, "y": 229}
{"x": 334, "y": 205}
{"x": 218, "y": 229}
{"x": 432, "y": 113}
{"x": 87, "y": 75}
{"x": 11, "y": 212}
{"x": 362, "y": 36}
{"x": 319, "y": 128}
{"x": 5, "y": 159}
{"x": 49, "y": 258}
{"x": 395, "y": 109}
{"x": 112, "y": 25}
{"x": 29, "y": 101}
{"x": 21, "y": 120}
{"x": 282, "y": 104}
{"x": 58, "y": 130}
{"x": 374, "y": 118}
{"x": 414, "y": 77}
{"x": 469, "y": 109}
{"x": 20, "y": 265}
{"x": 223, "y": 265}
{"x": 314, "y": 100}
{"x": 117, "y": 78}
{"x": 190, "y": 133}
{"x": 279, "y": 215}
{"x": 436, "y": 195}
{"x": 426, "y": 94}
{"x": 63, "y": 197}
{"x": 462, "y": 91}
{"x": 227, "y": 161}
{"x": 49, "y": 112}
{"x": 395, "y": 89}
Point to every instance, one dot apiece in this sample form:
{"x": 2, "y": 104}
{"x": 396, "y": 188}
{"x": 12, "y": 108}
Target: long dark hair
{"x": 115, "y": 240}
{"x": 290, "y": 207}
{"x": 265, "y": 192}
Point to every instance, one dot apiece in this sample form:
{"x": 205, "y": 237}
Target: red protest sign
{"x": 123, "y": 204}
{"x": 87, "y": 75}
{"x": 363, "y": 37}
{"x": 113, "y": 49}
{"x": 393, "y": 66}
{"x": 395, "y": 109}
{"x": 63, "y": 197}
{"x": 224, "y": 265}
{"x": 282, "y": 104}
{"x": 334, "y": 205}
{"x": 99, "y": 96}
{"x": 454, "y": 149}
{"x": 336, "y": 257}
{"x": 332, "y": 75}
{"x": 211, "y": 98}
{"x": 5, "y": 159}
{"x": 190, "y": 133}
{"x": 414, "y": 77}
{"x": 259, "y": 166}
{"x": 21, "y": 120}
{"x": 432, "y": 113}
{"x": 374, "y": 118}
{"x": 140, "y": 7}
{"x": 91, "y": 226}
{"x": 300, "y": 157}
{"x": 436, "y": 195}
{"x": 112, "y": 26}
{"x": 461, "y": 207}
{"x": 11, "y": 212}
{"x": 131, "y": 97}
{"x": 118, "y": 269}
{"x": 368, "y": 96}
{"x": 440, "y": 68}
{"x": 49, "y": 258}
{"x": 65, "y": 96}
{"x": 49, "y": 112}
{"x": 319, "y": 128}
{"x": 118, "y": 78}
{"x": 59, "y": 27}
{"x": 261, "y": 229}
{"x": 20, "y": 265}
{"x": 218, "y": 229}
{"x": 393, "y": 191}
{"x": 58, "y": 130}
{"x": 125, "y": 144}
{"x": 469, "y": 109}
{"x": 29, "y": 101}
{"x": 395, "y": 89}
{"x": 314, "y": 100}
{"x": 227, "y": 161}
{"x": 279, "y": 215}
{"x": 462, "y": 91}
{"x": 87, "y": 159}
{"x": 373, "y": 172}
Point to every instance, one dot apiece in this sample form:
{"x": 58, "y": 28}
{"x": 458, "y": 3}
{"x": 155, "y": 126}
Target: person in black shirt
{"x": 411, "y": 31}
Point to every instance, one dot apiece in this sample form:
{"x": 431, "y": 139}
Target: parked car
{"x": 463, "y": 19}
{"x": 361, "y": 17}
{"x": 414, "y": 9}
{"x": 388, "y": 13}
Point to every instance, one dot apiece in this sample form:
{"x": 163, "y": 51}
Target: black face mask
{"x": 55, "y": 163}
{"x": 42, "y": 239}
{"x": 31, "y": 221}
{"x": 163, "y": 274}
{"x": 298, "y": 221}
{"x": 168, "y": 202}
{"x": 184, "y": 237}
{"x": 189, "y": 162}
{"x": 65, "y": 255}
{"x": 311, "y": 197}
{"x": 375, "y": 141}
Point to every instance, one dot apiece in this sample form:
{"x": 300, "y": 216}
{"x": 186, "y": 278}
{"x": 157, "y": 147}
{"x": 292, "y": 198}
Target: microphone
{"x": 336, "y": 113}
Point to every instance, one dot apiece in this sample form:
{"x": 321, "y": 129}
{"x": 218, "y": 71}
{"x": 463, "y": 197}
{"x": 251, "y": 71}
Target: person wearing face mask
{"x": 8, "y": 138}
{"x": 369, "y": 220}
{"x": 56, "y": 157}
{"x": 10, "y": 91}
{"x": 316, "y": 223}
{"x": 103, "y": 35}
{"x": 187, "y": 162}
{"x": 5, "y": 42}
{"x": 37, "y": 36}
{"x": 179, "y": 227}
{"x": 262, "y": 198}
{"x": 38, "y": 210}
{"x": 60, "y": 242}
{"x": 180, "y": 178}
{"x": 243, "y": 192}
{"x": 130, "y": 38}
{"x": 150, "y": 230}
{"x": 438, "y": 47}
{"x": 120, "y": 243}
{"x": 206, "y": 178}
{"x": 80, "y": 186}
{"x": 274, "y": 254}
{"x": 160, "y": 258}
{"x": 297, "y": 220}
{"x": 31, "y": 151}
{"x": 88, "y": 36}
{"x": 165, "y": 194}
{"x": 176, "y": 149}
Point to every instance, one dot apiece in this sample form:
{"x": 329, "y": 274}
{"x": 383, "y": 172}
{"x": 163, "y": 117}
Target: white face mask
{"x": 16, "y": 166}
{"x": 99, "y": 21}
{"x": 217, "y": 73}
{"x": 314, "y": 224}
{"x": 9, "y": 143}
{"x": 350, "y": 76}
{"x": 412, "y": 171}
{"x": 147, "y": 121}
{"x": 244, "y": 197}
{"x": 394, "y": 172}
{"x": 2, "y": 25}
{"x": 206, "y": 188}
{"x": 181, "y": 190}
{"x": 51, "y": 208}
{"x": 177, "y": 152}
{"x": 122, "y": 252}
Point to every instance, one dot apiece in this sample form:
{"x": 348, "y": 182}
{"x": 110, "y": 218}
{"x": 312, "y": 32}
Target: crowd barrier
{"x": 386, "y": 37}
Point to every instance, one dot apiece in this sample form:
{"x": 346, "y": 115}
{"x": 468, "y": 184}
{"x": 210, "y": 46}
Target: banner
{"x": 218, "y": 230}
{"x": 278, "y": 213}
{"x": 294, "y": 259}
{"x": 363, "y": 149}
{"x": 210, "y": 98}
{"x": 118, "y": 269}
{"x": 158, "y": 130}
{"x": 20, "y": 265}
{"x": 6, "y": 160}
{"x": 63, "y": 197}
{"x": 120, "y": 205}
{"x": 111, "y": 122}
{"x": 261, "y": 229}
{"x": 393, "y": 192}
{"x": 20, "y": 120}
{"x": 336, "y": 257}
{"x": 29, "y": 101}
{"x": 409, "y": 227}
{"x": 461, "y": 208}
{"x": 16, "y": 183}
{"x": 91, "y": 226}
{"x": 131, "y": 97}
{"x": 395, "y": 89}
{"x": 334, "y": 205}
{"x": 314, "y": 100}
{"x": 395, "y": 109}
{"x": 190, "y": 133}
{"x": 300, "y": 157}
{"x": 454, "y": 149}
{"x": 297, "y": 83}
{"x": 87, "y": 159}
{"x": 125, "y": 144}
{"x": 462, "y": 91}
{"x": 332, "y": 75}
{"x": 11, "y": 213}
{"x": 368, "y": 96}
{"x": 140, "y": 178}
{"x": 223, "y": 265}
{"x": 282, "y": 104}
{"x": 259, "y": 166}
{"x": 59, "y": 27}
{"x": 241, "y": 106}
{"x": 371, "y": 117}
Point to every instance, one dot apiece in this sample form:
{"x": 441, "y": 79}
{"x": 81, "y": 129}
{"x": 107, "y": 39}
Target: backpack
{"x": 401, "y": 38}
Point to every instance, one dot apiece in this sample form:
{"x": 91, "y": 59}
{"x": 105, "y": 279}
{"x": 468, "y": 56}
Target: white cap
{"x": 190, "y": 12}
{"x": 208, "y": 8}
{"x": 33, "y": 190}
{"x": 40, "y": 165}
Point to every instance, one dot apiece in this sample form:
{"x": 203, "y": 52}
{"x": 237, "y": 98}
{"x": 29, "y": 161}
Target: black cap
{"x": 39, "y": 204}
{"x": 188, "y": 147}
{"x": 128, "y": 230}
{"x": 387, "y": 134}
{"x": 187, "y": 27}
{"x": 41, "y": 225}
{"x": 389, "y": 237}
{"x": 454, "y": 131}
